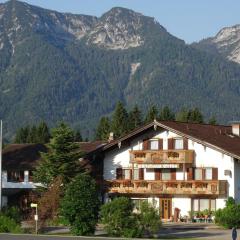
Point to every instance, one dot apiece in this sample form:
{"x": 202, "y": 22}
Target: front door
{"x": 166, "y": 208}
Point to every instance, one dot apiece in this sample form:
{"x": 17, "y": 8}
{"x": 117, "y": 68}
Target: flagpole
{"x": 0, "y": 165}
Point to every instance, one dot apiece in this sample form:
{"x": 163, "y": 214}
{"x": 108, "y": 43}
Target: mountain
{"x": 75, "y": 68}
{"x": 225, "y": 43}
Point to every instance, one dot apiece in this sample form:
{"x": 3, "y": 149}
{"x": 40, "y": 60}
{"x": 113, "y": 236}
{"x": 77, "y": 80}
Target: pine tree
{"x": 151, "y": 114}
{"x": 103, "y": 129}
{"x": 43, "y": 134}
{"x": 33, "y": 135}
{"x": 135, "y": 118}
{"x": 78, "y": 136}
{"x": 61, "y": 159}
{"x": 166, "y": 114}
{"x": 119, "y": 123}
{"x": 195, "y": 116}
{"x": 182, "y": 116}
{"x": 212, "y": 121}
{"x": 20, "y": 136}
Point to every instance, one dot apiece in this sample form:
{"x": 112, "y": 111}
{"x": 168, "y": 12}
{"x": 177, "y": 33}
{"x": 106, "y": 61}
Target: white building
{"x": 188, "y": 166}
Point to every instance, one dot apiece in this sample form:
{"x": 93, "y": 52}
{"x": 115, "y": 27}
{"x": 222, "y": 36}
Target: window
{"x": 166, "y": 174}
{"x": 137, "y": 203}
{"x": 203, "y": 204}
{"x": 208, "y": 174}
{"x": 15, "y": 176}
{"x": 126, "y": 174}
{"x": 136, "y": 174}
{"x": 154, "y": 145}
{"x": 178, "y": 143}
{"x": 198, "y": 174}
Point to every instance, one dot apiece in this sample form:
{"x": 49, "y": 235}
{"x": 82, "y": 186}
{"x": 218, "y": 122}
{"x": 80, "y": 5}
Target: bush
{"x": 80, "y": 205}
{"x": 229, "y": 216}
{"x": 120, "y": 221}
{"x": 12, "y": 212}
{"x": 8, "y": 225}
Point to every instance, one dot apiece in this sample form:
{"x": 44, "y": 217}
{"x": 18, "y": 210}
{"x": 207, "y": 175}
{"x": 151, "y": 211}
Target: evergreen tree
{"x": 103, "y": 129}
{"x": 33, "y": 135}
{"x": 62, "y": 158}
{"x": 212, "y": 121}
{"x": 20, "y": 136}
{"x": 151, "y": 114}
{"x": 166, "y": 114}
{"x": 195, "y": 116}
{"x": 135, "y": 118}
{"x": 43, "y": 134}
{"x": 182, "y": 116}
{"x": 119, "y": 123}
{"x": 78, "y": 136}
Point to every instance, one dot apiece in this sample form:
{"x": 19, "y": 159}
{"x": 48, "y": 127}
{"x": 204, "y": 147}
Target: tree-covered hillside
{"x": 64, "y": 67}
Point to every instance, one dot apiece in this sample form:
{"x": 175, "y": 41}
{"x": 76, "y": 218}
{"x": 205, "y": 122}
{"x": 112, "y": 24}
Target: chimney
{"x": 236, "y": 128}
{"x": 110, "y": 138}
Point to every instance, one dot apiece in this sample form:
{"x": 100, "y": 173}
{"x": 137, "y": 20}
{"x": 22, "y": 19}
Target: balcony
{"x": 161, "y": 156}
{"x": 174, "y": 187}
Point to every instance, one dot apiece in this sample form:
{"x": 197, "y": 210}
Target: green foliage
{"x": 134, "y": 118}
{"x": 34, "y": 134}
{"x": 229, "y": 216}
{"x": 9, "y": 225}
{"x": 212, "y": 121}
{"x": 119, "y": 124}
{"x": 149, "y": 218}
{"x": 166, "y": 114}
{"x": 62, "y": 158}
{"x": 103, "y": 129}
{"x": 120, "y": 220}
{"x": 151, "y": 114}
{"x": 80, "y": 205}
{"x": 13, "y": 213}
{"x": 78, "y": 136}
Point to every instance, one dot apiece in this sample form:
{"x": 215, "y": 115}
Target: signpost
{"x": 34, "y": 205}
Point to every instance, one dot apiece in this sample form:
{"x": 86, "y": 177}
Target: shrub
{"x": 149, "y": 218}
{"x": 120, "y": 220}
{"x": 8, "y": 225}
{"x": 13, "y": 213}
{"x": 229, "y": 216}
{"x": 80, "y": 205}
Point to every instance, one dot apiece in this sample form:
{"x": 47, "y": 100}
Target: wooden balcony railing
{"x": 175, "y": 187}
{"x": 161, "y": 156}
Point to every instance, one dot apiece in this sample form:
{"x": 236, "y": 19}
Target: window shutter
{"x": 190, "y": 174}
{"x": 203, "y": 174}
{"x": 119, "y": 173}
{"x": 145, "y": 144}
{"x": 160, "y": 144}
{"x": 185, "y": 144}
{"x": 170, "y": 143}
{"x": 141, "y": 173}
{"x": 157, "y": 173}
{"x": 215, "y": 173}
{"x": 131, "y": 174}
{"x": 173, "y": 174}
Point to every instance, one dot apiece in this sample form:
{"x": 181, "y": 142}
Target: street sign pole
{"x": 34, "y": 205}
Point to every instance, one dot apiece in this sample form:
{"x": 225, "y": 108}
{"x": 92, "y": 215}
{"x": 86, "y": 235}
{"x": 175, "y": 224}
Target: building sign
{"x": 158, "y": 165}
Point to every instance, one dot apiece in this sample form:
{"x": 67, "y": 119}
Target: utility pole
{"x": 0, "y": 165}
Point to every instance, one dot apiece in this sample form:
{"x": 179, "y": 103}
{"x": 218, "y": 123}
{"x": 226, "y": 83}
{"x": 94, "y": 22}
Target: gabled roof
{"x": 21, "y": 156}
{"x": 218, "y": 137}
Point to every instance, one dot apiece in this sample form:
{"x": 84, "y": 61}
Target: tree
{"x": 33, "y": 135}
{"x": 103, "y": 129}
{"x": 182, "y": 116}
{"x": 195, "y": 116}
{"x": 151, "y": 114}
{"x": 22, "y": 135}
{"x": 43, "y": 134}
{"x": 61, "y": 159}
{"x": 78, "y": 136}
{"x": 118, "y": 219}
{"x": 135, "y": 118}
{"x": 119, "y": 123}
{"x": 212, "y": 121}
{"x": 80, "y": 205}
{"x": 166, "y": 114}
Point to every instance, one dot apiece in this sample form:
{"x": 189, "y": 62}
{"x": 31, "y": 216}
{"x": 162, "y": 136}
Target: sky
{"x": 190, "y": 20}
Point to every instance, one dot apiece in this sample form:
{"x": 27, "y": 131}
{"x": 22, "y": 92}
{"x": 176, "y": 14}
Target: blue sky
{"x": 190, "y": 20}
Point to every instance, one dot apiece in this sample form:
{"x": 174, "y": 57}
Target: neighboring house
{"x": 187, "y": 166}
{"x": 19, "y": 162}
